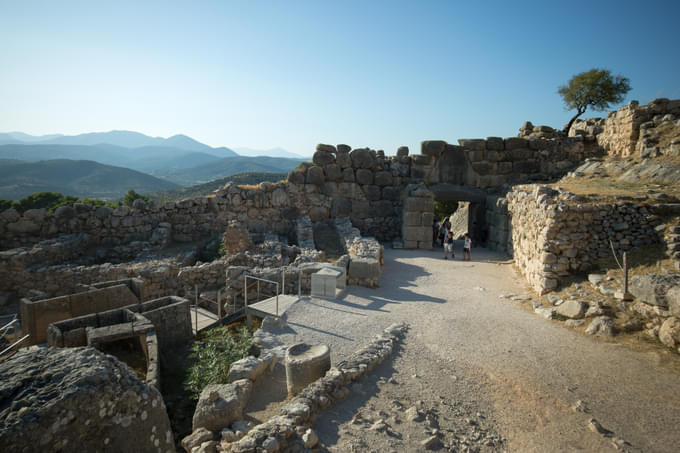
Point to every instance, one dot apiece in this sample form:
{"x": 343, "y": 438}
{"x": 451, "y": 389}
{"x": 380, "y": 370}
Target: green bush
{"x": 51, "y": 201}
{"x": 444, "y": 209}
{"x": 213, "y": 356}
{"x": 131, "y": 196}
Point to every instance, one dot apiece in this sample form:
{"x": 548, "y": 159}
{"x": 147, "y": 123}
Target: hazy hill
{"x": 210, "y": 187}
{"x": 230, "y": 166}
{"x": 149, "y": 159}
{"x": 81, "y": 178}
{"x": 273, "y": 152}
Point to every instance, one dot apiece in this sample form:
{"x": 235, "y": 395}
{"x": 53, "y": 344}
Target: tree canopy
{"x": 596, "y": 88}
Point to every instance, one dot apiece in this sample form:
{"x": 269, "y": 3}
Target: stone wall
{"x": 36, "y": 316}
{"x": 499, "y": 224}
{"x": 417, "y": 218}
{"x": 555, "y": 236}
{"x": 634, "y": 130}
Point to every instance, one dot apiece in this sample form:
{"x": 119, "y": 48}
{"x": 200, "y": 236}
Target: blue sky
{"x": 262, "y": 74}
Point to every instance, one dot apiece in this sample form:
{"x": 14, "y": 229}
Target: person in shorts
{"x": 467, "y": 246}
{"x": 448, "y": 246}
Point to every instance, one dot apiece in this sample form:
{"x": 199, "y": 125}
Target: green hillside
{"x": 229, "y": 166}
{"x": 209, "y": 187}
{"x": 81, "y": 178}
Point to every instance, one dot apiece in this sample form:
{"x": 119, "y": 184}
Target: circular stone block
{"x": 305, "y": 364}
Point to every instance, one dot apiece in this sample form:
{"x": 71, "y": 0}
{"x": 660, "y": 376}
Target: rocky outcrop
{"x": 646, "y": 131}
{"x": 56, "y": 399}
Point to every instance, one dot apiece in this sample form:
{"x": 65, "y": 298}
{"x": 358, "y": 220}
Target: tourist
{"x": 448, "y": 246}
{"x": 467, "y": 246}
{"x": 442, "y": 233}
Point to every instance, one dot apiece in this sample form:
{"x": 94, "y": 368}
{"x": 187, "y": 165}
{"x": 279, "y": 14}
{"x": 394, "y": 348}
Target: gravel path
{"x": 493, "y": 375}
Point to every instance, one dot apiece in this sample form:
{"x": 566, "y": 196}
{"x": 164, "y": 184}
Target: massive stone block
{"x": 78, "y": 398}
{"x": 221, "y": 404}
{"x": 432, "y": 147}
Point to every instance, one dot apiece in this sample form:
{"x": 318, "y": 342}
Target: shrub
{"x": 214, "y": 355}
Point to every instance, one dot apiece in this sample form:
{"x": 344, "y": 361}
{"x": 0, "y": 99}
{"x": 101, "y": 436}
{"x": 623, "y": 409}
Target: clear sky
{"x": 376, "y": 73}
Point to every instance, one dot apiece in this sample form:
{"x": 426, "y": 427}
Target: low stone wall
{"x": 36, "y": 316}
{"x": 554, "y": 237}
{"x": 290, "y": 431}
{"x": 366, "y": 255}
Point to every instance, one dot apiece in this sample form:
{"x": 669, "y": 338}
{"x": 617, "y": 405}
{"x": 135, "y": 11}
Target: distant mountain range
{"x": 273, "y": 152}
{"x": 82, "y": 178}
{"x": 180, "y": 160}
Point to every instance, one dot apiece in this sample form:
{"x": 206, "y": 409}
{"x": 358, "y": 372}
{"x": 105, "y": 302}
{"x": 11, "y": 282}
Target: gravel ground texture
{"x": 477, "y": 372}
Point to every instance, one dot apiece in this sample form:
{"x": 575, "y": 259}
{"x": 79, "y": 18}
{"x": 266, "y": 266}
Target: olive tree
{"x": 596, "y": 88}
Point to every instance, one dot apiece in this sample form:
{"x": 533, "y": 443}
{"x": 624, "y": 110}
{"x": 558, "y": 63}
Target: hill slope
{"x": 81, "y": 178}
{"x": 210, "y": 187}
{"x": 230, "y": 166}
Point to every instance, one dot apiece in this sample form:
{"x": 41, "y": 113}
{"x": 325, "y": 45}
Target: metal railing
{"x": 258, "y": 280}
{"x": 9, "y": 348}
{"x": 6, "y": 327}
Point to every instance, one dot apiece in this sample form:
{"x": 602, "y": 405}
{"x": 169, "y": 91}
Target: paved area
{"x": 529, "y": 374}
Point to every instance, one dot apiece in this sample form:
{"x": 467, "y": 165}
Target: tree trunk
{"x": 579, "y": 112}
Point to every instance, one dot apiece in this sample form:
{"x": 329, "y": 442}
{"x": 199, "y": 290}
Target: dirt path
{"x": 483, "y": 373}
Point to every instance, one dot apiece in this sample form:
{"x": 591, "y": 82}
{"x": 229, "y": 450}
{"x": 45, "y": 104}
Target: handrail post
{"x": 299, "y": 284}
{"x": 219, "y": 304}
{"x": 277, "y": 300}
{"x": 245, "y": 300}
{"x": 283, "y": 281}
{"x": 196, "y": 308}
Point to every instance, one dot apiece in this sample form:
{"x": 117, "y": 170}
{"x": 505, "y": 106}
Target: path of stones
{"x": 479, "y": 373}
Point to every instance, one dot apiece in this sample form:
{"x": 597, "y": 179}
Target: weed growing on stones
{"x": 214, "y": 354}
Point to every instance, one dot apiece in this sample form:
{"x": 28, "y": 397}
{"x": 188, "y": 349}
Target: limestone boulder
{"x": 343, "y": 159}
{"x": 64, "y": 399}
{"x": 364, "y": 176}
{"x": 296, "y": 177}
{"x": 572, "y": 309}
{"x": 669, "y": 333}
{"x": 673, "y": 298}
{"x": 221, "y": 404}
{"x": 64, "y": 213}
{"x": 362, "y": 158}
{"x": 364, "y": 268}
{"x": 315, "y": 176}
{"x": 322, "y": 157}
{"x": 402, "y": 151}
{"x": 652, "y": 289}
{"x": 602, "y": 325}
{"x": 23, "y": 227}
{"x": 196, "y": 439}
{"x": 333, "y": 172}
{"x": 250, "y": 368}
{"x": 432, "y": 147}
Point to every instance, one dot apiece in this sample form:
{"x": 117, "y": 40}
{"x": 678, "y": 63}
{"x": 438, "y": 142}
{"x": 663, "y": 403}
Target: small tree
{"x": 596, "y": 88}
{"x": 131, "y": 196}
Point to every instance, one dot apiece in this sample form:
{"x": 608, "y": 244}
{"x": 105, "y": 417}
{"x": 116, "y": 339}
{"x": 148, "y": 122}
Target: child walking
{"x": 467, "y": 245}
{"x": 448, "y": 246}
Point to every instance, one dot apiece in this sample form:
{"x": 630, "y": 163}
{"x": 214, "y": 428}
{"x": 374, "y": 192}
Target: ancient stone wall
{"x": 498, "y": 222}
{"x": 555, "y": 236}
{"x": 632, "y": 129}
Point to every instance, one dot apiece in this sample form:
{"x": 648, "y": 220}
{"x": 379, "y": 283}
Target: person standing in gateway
{"x": 467, "y": 246}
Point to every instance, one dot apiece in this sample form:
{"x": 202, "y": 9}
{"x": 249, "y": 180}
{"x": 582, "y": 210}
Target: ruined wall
{"x": 499, "y": 224}
{"x": 554, "y": 236}
{"x": 632, "y": 129}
